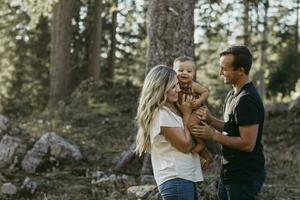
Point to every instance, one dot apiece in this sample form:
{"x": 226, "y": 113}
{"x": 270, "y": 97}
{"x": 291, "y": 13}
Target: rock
{"x": 8, "y": 188}
{"x": 47, "y": 151}
{"x": 6, "y": 127}
{"x": 98, "y": 174}
{"x": 28, "y": 187}
{"x": 115, "y": 195}
{"x": 3, "y": 124}
{"x": 147, "y": 179}
{"x": 104, "y": 184}
{"x": 211, "y": 190}
{"x": 11, "y": 148}
{"x": 276, "y": 109}
{"x": 295, "y": 105}
{"x": 2, "y": 178}
{"x": 214, "y": 167}
{"x": 140, "y": 192}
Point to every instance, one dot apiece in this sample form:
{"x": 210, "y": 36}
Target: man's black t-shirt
{"x": 242, "y": 109}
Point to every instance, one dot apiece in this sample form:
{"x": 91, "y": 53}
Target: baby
{"x": 185, "y": 69}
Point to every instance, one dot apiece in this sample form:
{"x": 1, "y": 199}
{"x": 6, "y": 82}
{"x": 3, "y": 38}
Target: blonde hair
{"x": 153, "y": 96}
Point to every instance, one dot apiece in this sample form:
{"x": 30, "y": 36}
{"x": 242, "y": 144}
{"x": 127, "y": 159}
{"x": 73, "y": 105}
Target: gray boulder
{"x": 295, "y": 105}
{"x": 141, "y": 191}
{"x": 11, "y": 151}
{"x": 8, "y": 188}
{"x": 50, "y": 147}
{"x": 3, "y": 124}
{"x": 276, "y": 109}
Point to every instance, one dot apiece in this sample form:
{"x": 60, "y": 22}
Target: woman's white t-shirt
{"x": 168, "y": 162}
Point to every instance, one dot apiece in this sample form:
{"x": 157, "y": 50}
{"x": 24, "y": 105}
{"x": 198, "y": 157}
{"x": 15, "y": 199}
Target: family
{"x": 174, "y": 121}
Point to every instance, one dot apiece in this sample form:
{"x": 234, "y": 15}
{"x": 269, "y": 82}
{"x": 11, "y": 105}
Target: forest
{"x": 71, "y": 73}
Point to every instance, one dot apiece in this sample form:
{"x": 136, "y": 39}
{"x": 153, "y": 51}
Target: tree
{"x": 247, "y": 34}
{"x": 169, "y": 36}
{"x": 113, "y": 42}
{"x": 170, "y": 31}
{"x": 60, "y": 50}
{"x": 95, "y": 42}
{"x": 263, "y": 48}
{"x": 297, "y": 28}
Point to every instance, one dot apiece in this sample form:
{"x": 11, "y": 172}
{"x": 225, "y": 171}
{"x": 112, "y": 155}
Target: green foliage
{"x": 34, "y": 8}
{"x": 27, "y": 79}
{"x": 285, "y": 75}
{"x": 25, "y": 46}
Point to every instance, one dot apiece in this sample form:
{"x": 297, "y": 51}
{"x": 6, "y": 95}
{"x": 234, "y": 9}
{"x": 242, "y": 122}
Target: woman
{"x": 163, "y": 132}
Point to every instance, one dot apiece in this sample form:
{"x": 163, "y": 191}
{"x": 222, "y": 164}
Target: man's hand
{"x": 203, "y": 131}
{"x": 204, "y": 114}
{"x": 196, "y": 103}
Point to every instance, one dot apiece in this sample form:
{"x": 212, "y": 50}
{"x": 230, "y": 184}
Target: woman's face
{"x": 172, "y": 93}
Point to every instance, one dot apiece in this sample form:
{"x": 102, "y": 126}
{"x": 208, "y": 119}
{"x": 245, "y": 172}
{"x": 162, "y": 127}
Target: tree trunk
{"x": 297, "y": 27}
{"x": 263, "y": 48}
{"x": 170, "y": 34}
{"x": 246, "y": 35}
{"x": 112, "y": 52}
{"x": 170, "y": 31}
{"x": 129, "y": 162}
{"x": 60, "y": 51}
{"x": 95, "y": 42}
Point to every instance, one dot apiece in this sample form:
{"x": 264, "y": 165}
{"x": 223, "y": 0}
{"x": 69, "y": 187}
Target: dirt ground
{"x": 100, "y": 121}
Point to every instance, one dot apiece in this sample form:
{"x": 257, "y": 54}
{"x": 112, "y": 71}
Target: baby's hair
{"x": 182, "y": 59}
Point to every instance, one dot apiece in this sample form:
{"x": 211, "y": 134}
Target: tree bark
{"x": 113, "y": 44}
{"x": 170, "y": 31}
{"x": 263, "y": 48}
{"x": 170, "y": 35}
{"x": 297, "y": 27}
{"x": 246, "y": 35}
{"x": 95, "y": 42}
{"x": 129, "y": 162}
{"x": 60, "y": 51}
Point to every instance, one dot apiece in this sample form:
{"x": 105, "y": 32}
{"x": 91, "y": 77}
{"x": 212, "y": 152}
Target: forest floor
{"x": 100, "y": 121}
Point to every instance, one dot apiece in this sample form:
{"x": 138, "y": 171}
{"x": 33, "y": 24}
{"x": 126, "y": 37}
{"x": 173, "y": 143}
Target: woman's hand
{"x": 186, "y": 105}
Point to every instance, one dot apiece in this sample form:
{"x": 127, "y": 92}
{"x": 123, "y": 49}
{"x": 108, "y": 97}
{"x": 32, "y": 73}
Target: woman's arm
{"x": 179, "y": 137}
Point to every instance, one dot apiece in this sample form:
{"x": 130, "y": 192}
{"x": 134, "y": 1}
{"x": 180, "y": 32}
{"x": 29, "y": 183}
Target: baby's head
{"x": 185, "y": 69}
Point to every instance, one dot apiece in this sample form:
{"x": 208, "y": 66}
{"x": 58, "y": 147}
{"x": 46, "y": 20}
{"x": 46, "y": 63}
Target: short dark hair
{"x": 242, "y": 57}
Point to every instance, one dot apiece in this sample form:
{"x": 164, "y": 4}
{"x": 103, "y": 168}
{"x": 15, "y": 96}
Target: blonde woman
{"x": 163, "y": 132}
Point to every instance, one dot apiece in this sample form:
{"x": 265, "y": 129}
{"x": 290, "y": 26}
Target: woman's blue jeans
{"x": 178, "y": 189}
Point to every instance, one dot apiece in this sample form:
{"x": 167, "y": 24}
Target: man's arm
{"x": 246, "y": 142}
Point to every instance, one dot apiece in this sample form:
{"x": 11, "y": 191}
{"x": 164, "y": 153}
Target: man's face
{"x": 185, "y": 71}
{"x": 230, "y": 75}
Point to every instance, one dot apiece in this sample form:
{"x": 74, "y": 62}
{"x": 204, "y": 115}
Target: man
{"x": 243, "y": 165}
